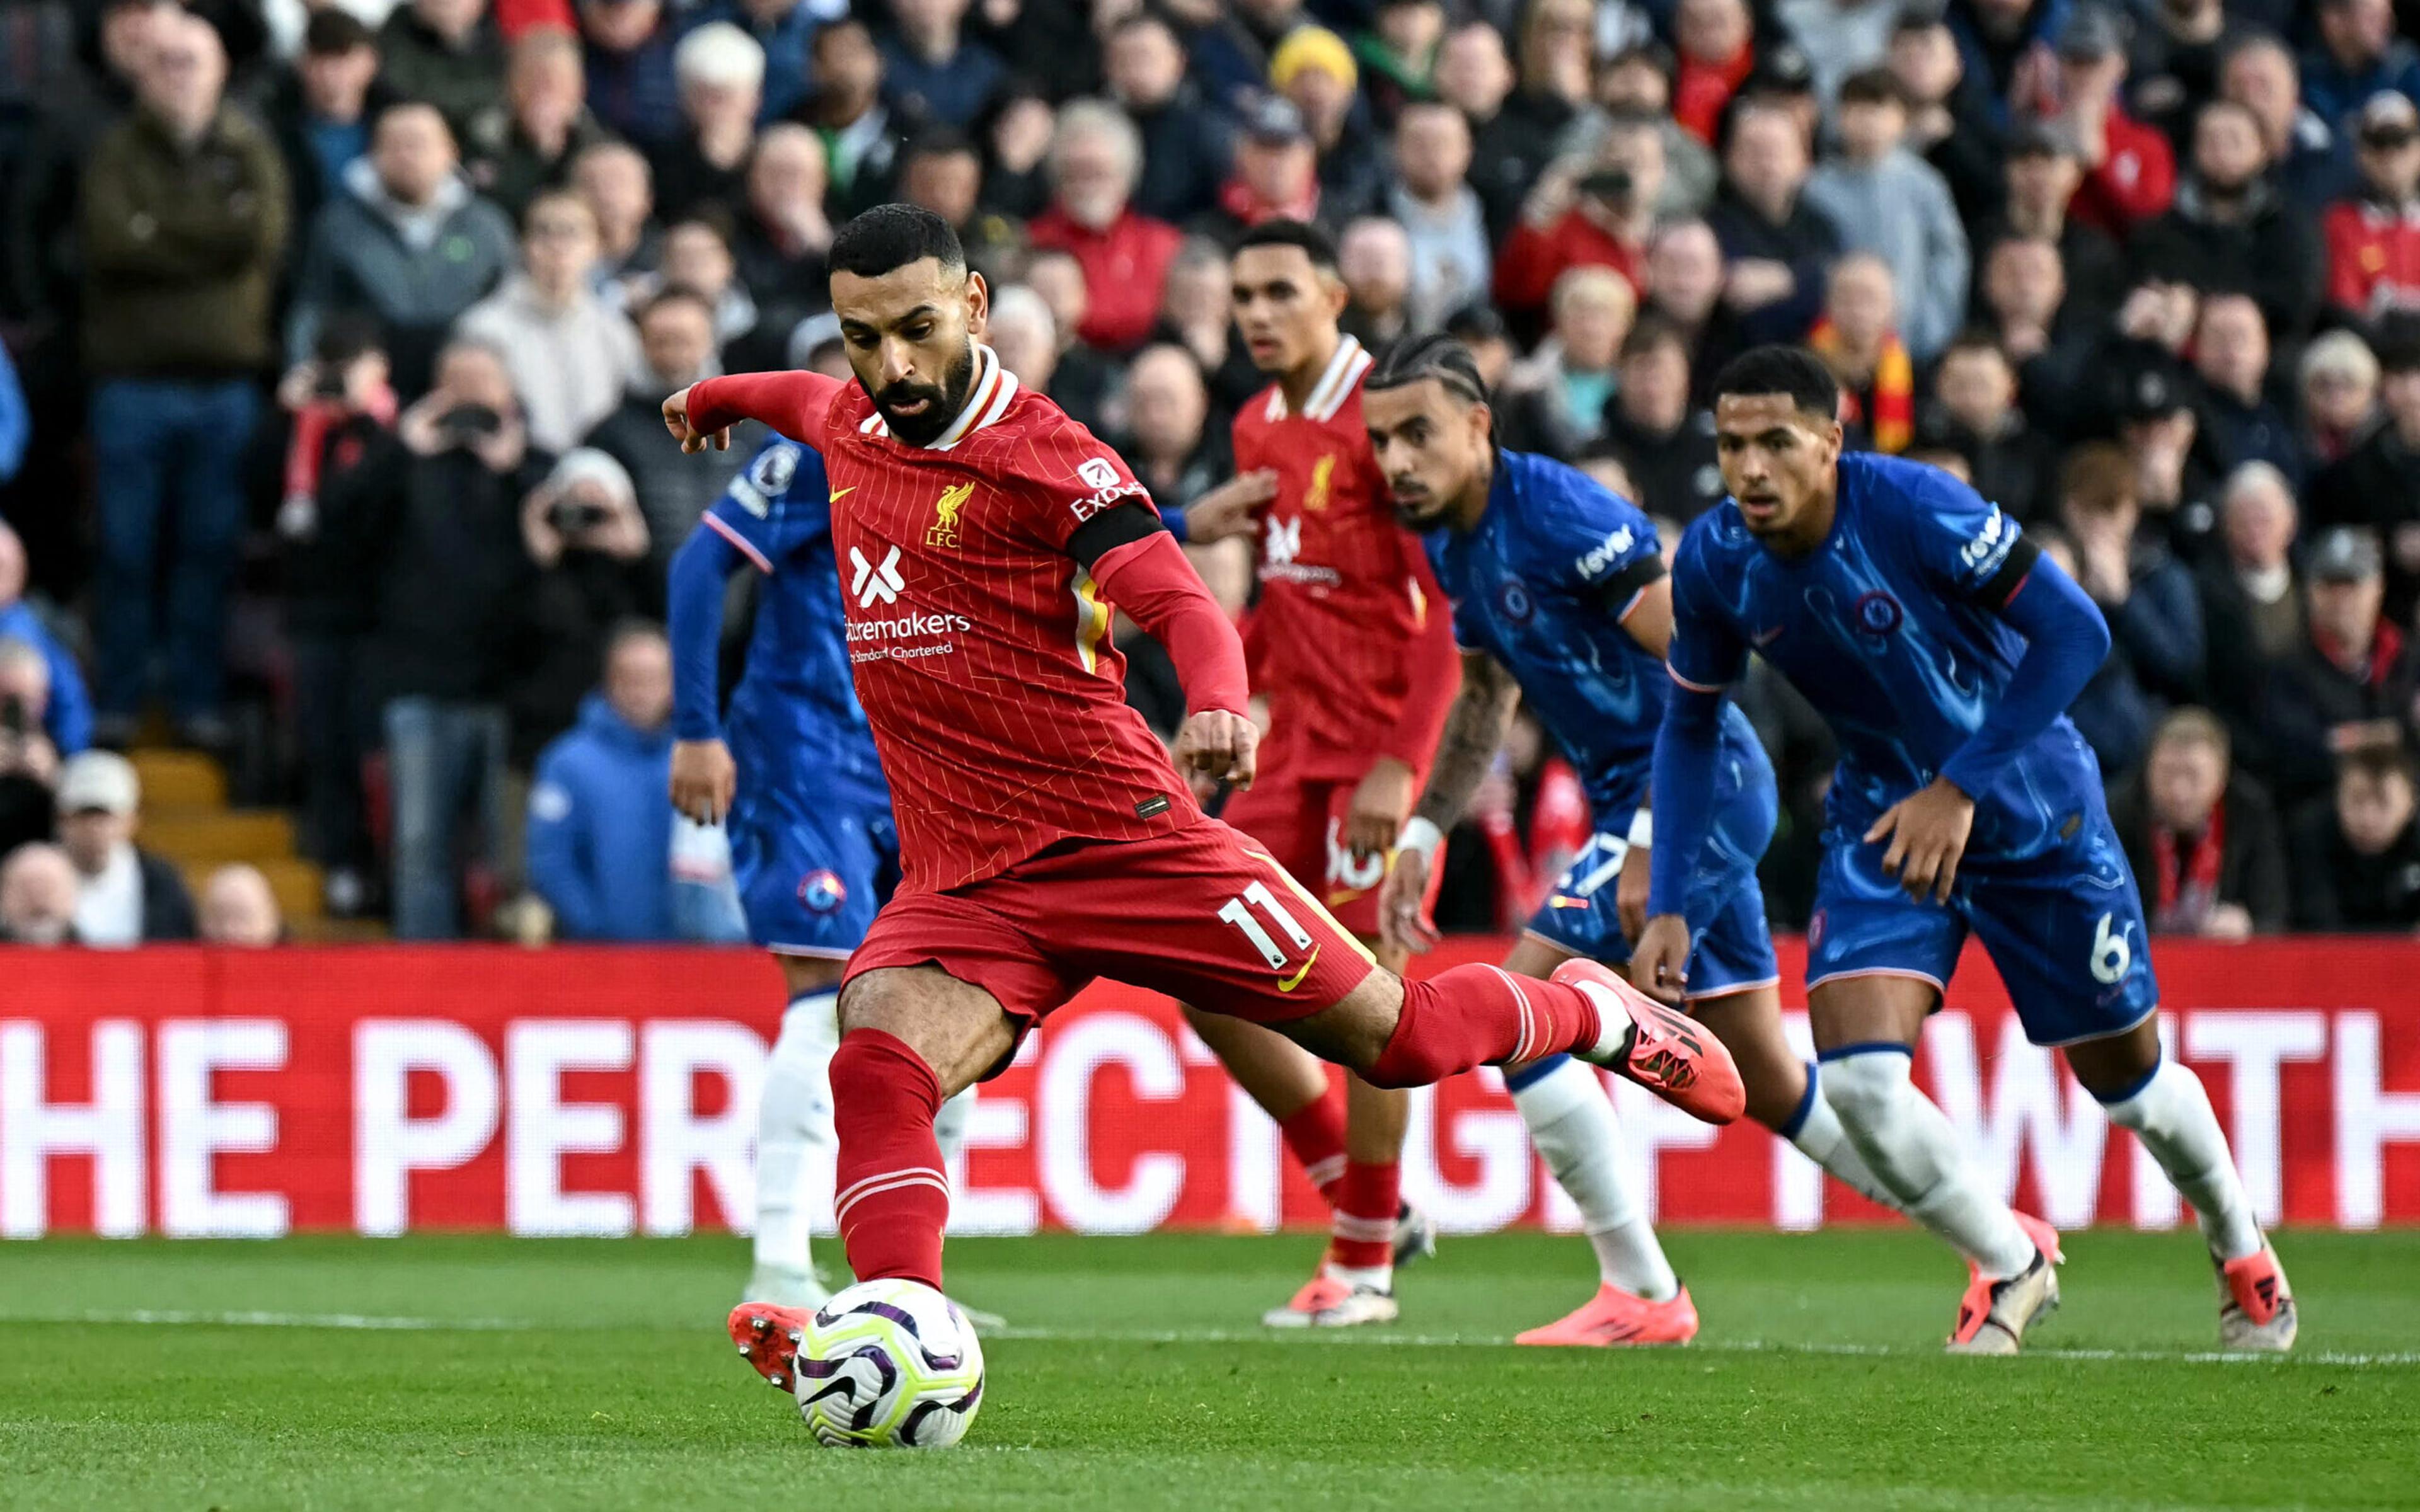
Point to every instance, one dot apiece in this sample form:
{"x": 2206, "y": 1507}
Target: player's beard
{"x": 925, "y": 426}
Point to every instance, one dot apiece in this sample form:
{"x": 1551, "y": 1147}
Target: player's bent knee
{"x": 2116, "y": 1065}
{"x": 959, "y": 1029}
{"x": 1354, "y": 1032}
{"x": 1750, "y": 1026}
{"x": 1861, "y": 1088}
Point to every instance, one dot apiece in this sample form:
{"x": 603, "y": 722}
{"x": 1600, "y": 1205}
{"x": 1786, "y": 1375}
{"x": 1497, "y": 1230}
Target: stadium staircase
{"x": 187, "y": 820}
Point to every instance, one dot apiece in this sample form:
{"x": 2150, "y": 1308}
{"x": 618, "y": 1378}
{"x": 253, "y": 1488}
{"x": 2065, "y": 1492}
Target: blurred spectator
{"x": 2251, "y": 599}
{"x": 569, "y": 352}
{"x": 321, "y": 111}
{"x": 1313, "y": 69}
{"x": 1784, "y": 78}
{"x": 1685, "y": 289}
{"x": 29, "y": 762}
{"x": 783, "y": 232}
{"x": 1095, "y": 161}
{"x": 697, "y": 256}
{"x": 1995, "y": 37}
{"x": 1397, "y": 54}
{"x": 786, "y": 30}
{"x": 849, "y": 111}
{"x": 2357, "y": 857}
{"x": 1020, "y": 329}
{"x": 1585, "y": 213}
{"x": 1776, "y": 245}
{"x": 1857, "y": 336}
{"x": 1167, "y": 438}
{"x": 2352, "y": 681}
{"x": 528, "y": 141}
{"x": 1276, "y": 175}
{"x": 2358, "y": 54}
{"x": 66, "y": 717}
{"x": 1195, "y": 314}
{"x": 446, "y": 53}
{"x": 2203, "y": 839}
{"x": 589, "y": 542}
{"x": 933, "y": 70}
{"x": 941, "y": 172}
{"x": 720, "y": 73}
{"x": 1453, "y": 262}
{"x": 2258, "y": 74}
{"x": 2373, "y": 239}
{"x": 1573, "y": 372}
{"x": 601, "y": 828}
{"x": 2377, "y": 485}
{"x": 1083, "y": 377}
{"x": 2242, "y": 423}
{"x": 1553, "y": 47}
{"x": 2130, "y": 171}
{"x": 1715, "y": 44}
{"x": 1841, "y": 37}
{"x": 2044, "y": 170}
{"x": 677, "y": 347}
{"x": 1374, "y": 259}
{"x": 613, "y": 178}
{"x": 1665, "y": 440}
{"x": 1475, "y": 76}
{"x": 1889, "y": 202}
{"x": 444, "y": 500}
{"x": 38, "y": 897}
{"x": 2013, "y": 465}
{"x": 2158, "y": 427}
{"x": 1637, "y": 84}
{"x": 2339, "y": 393}
{"x": 1018, "y": 134}
{"x": 1184, "y": 146}
{"x": 1948, "y": 117}
{"x": 630, "y": 83}
{"x": 2113, "y": 713}
{"x": 185, "y": 220}
{"x": 124, "y": 895}
{"x": 239, "y": 909}
{"x": 2232, "y": 231}
{"x": 342, "y": 407}
{"x": 2147, "y": 597}
{"x": 408, "y": 243}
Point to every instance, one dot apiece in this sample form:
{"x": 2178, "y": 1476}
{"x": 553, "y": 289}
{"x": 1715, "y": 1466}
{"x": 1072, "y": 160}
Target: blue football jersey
{"x": 1533, "y": 585}
{"x": 796, "y": 698}
{"x": 1882, "y": 628}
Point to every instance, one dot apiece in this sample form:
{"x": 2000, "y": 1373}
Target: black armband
{"x": 1119, "y": 525}
{"x": 1994, "y": 591}
{"x": 1618, "y": 592}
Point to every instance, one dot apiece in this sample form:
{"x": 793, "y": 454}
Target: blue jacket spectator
{"x": 600, "y": 814}
{"x": 2358, "y": 54}
{"x": 785, "y": 29}
{"x": 68, "y": 717}
{"x": 630, "y": 84}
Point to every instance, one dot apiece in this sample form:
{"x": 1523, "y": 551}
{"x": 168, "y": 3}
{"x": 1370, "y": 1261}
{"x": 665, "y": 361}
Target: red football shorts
{"x": 1301, "y": 822}
{"x": 1199, "y": 914}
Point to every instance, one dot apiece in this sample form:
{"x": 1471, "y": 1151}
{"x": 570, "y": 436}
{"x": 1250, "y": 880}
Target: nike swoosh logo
{"x": 1338, "y": 896}
{"x": 839, "y": 494}
{"x": 1287, "y": 984}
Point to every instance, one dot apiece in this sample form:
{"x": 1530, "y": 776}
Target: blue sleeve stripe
{"x": 715, "y": 523}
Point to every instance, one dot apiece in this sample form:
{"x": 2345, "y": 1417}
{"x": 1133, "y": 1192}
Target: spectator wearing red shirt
{"x": 2130, "y": 171}
{"x": 2374, "y": 237}
{"x": 1095, "y": 161}
{"x": 1585, "y": 215}
{"x": 1717, "y": 53}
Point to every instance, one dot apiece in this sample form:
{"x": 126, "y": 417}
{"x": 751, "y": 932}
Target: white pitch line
{"x": 375, "y": 1322}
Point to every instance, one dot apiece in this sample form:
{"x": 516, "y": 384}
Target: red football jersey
{"x": 1349, "y": 641}
{"x": 980, "y": 652}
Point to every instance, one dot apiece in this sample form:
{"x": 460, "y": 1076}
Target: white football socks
{"x": 1819, "y": 1136}
{"x": 1912, "y": 1150}
{"x": 794, "y": 1130}
{"x": 1573, "y": 1125}
{"x": 2171, "y": 1114}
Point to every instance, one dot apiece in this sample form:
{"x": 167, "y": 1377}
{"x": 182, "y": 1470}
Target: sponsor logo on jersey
{"x": 1288, "y": 983}
{"x": 1611, "y": 550}
{"x": 1877, "y": 613}
{"x": 875, "y": 582}
{"x": 1983, "y": 555}
{"x": 1280, "y": 546}
{"x": 1099, "y": 472}
{"x": 945, "y": 515}
{"x": 1321, "y": 472}
{"x": 822, "y": 891}
{"x": 766, "y": 479}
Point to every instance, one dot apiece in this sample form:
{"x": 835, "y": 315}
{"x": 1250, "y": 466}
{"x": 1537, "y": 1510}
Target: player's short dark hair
{"x": 891, "y": 237}
{"x": 1788, "y": 370}
{"x": 1434, "y": 356}
{"x": 1315, "y": 243}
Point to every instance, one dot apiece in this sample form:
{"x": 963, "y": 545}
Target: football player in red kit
{"x": 1353, "y": 647}
{"x": 983, "y": 538}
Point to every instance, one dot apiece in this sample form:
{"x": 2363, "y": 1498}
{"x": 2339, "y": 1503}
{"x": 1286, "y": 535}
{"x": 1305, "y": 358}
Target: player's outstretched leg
{"x": 1913, "y": 1151}
{"x": 2163, "y": 1103}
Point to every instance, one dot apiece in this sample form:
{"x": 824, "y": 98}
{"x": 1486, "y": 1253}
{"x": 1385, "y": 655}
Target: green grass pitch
{"x": 475, "y": 1372}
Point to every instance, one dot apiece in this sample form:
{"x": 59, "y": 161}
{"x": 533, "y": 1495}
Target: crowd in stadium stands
{"x": 335, "y": 332}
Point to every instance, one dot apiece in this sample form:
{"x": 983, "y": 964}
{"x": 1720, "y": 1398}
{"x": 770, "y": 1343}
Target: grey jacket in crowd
{"x": 1899, "y": 210}
{"x": 416, "y": 269}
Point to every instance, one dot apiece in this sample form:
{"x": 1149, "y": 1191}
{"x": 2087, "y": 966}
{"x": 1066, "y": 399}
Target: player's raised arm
{"x": 1140, "y": 568}
{"x": 795, "y": 404}
{"x": 1474, "y": 729}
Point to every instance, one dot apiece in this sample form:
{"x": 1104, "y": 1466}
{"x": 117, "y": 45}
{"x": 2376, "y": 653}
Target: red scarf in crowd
{"x": 2187, "y": 877}
{"x": 1892, "y": 417}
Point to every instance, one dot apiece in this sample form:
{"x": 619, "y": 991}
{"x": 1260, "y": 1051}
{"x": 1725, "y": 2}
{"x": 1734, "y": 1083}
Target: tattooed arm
{"x": 1474, "y": 728}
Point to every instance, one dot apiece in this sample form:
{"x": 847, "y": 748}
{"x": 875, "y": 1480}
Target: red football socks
{"x": 1314, "y": 1135}
{"x": 1481, "y": 1016}
{"x": 891, "y": 1193}
{"x": 1366, "y": 1201}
